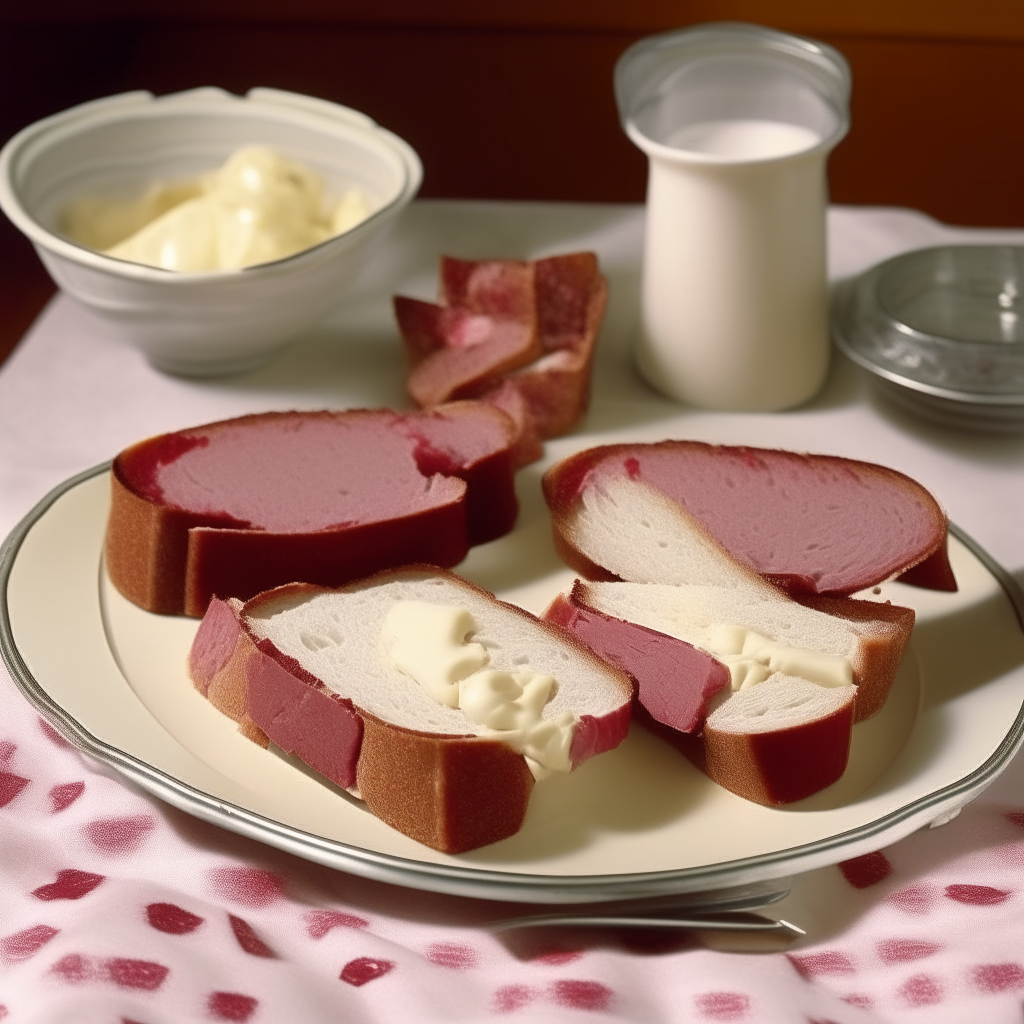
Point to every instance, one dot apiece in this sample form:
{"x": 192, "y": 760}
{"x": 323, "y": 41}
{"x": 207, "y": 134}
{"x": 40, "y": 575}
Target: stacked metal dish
{"x": 941, "y": 330}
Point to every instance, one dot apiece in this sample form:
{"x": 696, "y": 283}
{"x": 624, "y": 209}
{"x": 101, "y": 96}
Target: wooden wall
{"x": 512, "y": 98}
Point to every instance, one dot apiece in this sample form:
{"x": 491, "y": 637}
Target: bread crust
{"x": 450, "y": 793}
{"x": 172, "y": 560}
{"x": 219, "y": 665}
{"x": 556, "y": 389}
{"x": 243, "y": 563}
{"x": 146, "y": 548}
{"x": 781, "y": 766}
{"x": 674, "y": 682}
{"x": 880, "y": 652}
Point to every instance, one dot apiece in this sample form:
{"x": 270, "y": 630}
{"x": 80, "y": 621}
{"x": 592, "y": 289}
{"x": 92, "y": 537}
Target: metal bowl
{"x": 941, "y": 330}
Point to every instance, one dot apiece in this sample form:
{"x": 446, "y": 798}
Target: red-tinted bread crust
{"x": 780, "y": 766}
{"x": 882, "y": 653}
{"x": 449, "y": 793}
{"x": 770, "y": 767}
{"x": 218, "y": 664}
{"x": 302, "y": 716}
{"x": 675, "y": 681}
{"x": 172, "y": 559}
{"x": 571, "y": 299}
{"x": 486, "y": 328}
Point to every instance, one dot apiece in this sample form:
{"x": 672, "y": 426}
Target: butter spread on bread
{"x": 428, "y": 643}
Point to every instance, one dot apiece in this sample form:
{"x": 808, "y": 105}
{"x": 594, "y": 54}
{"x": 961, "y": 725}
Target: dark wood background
{"x": 512, "y": 99}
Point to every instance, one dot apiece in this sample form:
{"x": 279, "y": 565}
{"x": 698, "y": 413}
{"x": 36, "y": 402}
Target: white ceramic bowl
{"x": 201, "y": 324}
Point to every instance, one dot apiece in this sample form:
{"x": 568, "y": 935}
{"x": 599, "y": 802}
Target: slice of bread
{"x": 869, "y": 636}
{"x": 810, "y": 524}
{"x": 516, "y": 334}
{"x": 236, "y": 507}
{"x": 308, "y": 669}
{"x": 774, "y": 741}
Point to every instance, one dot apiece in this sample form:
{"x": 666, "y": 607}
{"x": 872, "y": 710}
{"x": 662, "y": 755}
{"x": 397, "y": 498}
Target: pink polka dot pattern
{"x": 21, "y": 945}
{"x": 249, "y": 940}
{"x": 829, "y": 961}
{"x": 53, "y": 736}
{"x": 858, "y": 999}
{"x": 64, "y": 795}
{"x": 140, "y": 974}
{"x": 993, "y": 978}
{"x": 512, "y": 997}
{"x": 73, "y": 968}
{"x": 365, "y": 969}
{"x": 921, "y": 990}
{"x": 70, "y": 884}
{"x": 722, "y": 1005}
{"x": 914, "y": 899}
{"x": 897, "y": 951}
{"x": 172, "y": 919}
{"x": 251, "y": 887}
{"x": 165, "y": 923}
{"x": 124, "y": 972}
{"x": 320, "y": 922}
{"x": 451, "y": 954}
{"x": 120, "y": 835}
{"x": 231, "y": 1006}
{"x": 863, "y": 872}
{"x": 977, "y": 895}
{"x": 582, "y": 995}
{"x": 10, "y": 786}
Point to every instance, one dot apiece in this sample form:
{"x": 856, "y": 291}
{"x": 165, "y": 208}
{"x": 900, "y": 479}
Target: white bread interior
{"x": 780, "y": 702}
{"x": 640, "y": 534}
{"x": 336, "y": 635}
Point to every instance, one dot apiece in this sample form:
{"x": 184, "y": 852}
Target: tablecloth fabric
{"x": 115, "y": 908}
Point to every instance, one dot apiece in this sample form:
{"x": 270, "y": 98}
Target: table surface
{"x": 114, "y": 906}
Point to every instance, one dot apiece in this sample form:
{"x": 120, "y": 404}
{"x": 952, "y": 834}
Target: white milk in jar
{"x": 734, "y": 299}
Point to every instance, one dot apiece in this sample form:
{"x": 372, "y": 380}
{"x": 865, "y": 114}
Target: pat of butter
{"x": 428, "y": 642}
{"x": 258, "y": 207}
{"x": 751, "y": 658}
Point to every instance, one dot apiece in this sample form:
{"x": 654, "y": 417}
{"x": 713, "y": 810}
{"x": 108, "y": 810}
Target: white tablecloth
{"x": 115, "y": 908}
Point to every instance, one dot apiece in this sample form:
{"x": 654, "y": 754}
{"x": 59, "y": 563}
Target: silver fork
{"x": 730, "y": 910}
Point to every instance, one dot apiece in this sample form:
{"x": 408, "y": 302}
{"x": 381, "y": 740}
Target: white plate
{"x": 639, "y": 821}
